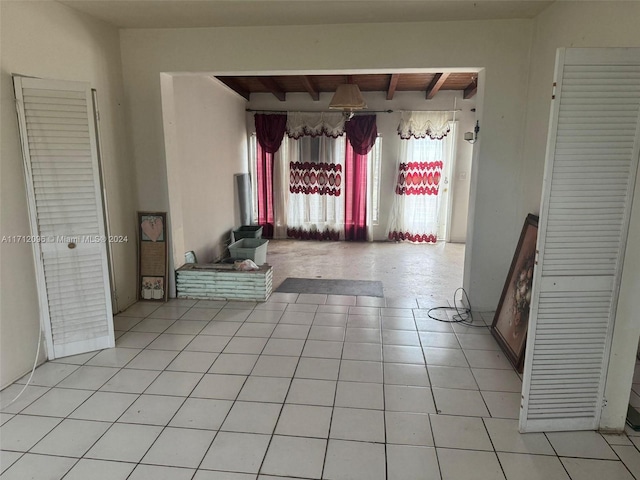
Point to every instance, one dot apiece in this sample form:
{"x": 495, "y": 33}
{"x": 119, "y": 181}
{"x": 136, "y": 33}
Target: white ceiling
{"x": 220, "y": 13}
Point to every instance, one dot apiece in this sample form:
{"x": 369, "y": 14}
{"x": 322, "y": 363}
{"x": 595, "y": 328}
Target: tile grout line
{"x": 208, "y": 449}
{"x": 120, "y": 416}
{"x": 163, "y": 427}
{"x": 335, "y": 394}
{"x": 275, "y": 426}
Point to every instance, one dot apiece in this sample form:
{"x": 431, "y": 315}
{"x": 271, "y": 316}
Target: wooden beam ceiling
{"x": 470, "y": 90}
{"x": 436, "y": 84}
{"x": 235, "y": 85}
{"x": 310, "y": 87}
{"x": 271, "y": 85}
{"x": 388, "y": 84}
{"x": 393, "y": 84}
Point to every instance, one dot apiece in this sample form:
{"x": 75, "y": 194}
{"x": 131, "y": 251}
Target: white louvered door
{"x": 590, "y": 171}
{"x": 67, "y": 225}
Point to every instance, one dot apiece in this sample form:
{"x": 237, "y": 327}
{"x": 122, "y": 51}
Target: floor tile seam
{"x": 97, "y": 440}
{"x": 174, "y": 414}
{"x": 164, "y": 427}
{"x": 458, "y": 388}
{"x": 119, "y": 369}
{"x": 180, "y": 427}
{"x": 424, "y": 357}
{"x": 621, "y": 459}
{"x": 275, "y": 425}
{"x": 486, "y": 430}
{"x": 50, "y": 386}
{"x": 44, "y": 455}
{"x": 333, "y": 407}
{"x": 552, "y": 455}
{"x": 22, "y": 454}
{"x": 384, "y": 409}
{"x": 68, "y": 416}
{"x": 46, "y": 433}
{"x": 369, "y": 409}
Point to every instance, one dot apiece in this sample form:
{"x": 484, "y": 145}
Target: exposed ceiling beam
{"x": 436, "y": 84}
{"x": 470, "y": 89}
{"x": 234, "y": 85}
{"x": 271, "y": 85}
{"x": 393, "y": 83}
{"x": 311, "y": 89}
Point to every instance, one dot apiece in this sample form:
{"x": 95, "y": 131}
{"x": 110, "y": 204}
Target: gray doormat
{"x": 362, "y": 288}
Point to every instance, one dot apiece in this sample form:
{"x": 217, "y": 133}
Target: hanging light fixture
{"x": 347, "y": 98}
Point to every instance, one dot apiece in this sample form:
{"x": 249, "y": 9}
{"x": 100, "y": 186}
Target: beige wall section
{"x": 49, "y": 40}
{"x": 211, "y": 146}
{"x": 502, "y": 47}
{"x": 388, "y": 128}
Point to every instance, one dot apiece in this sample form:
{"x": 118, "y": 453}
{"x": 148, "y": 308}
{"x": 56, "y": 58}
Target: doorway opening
{"x": 181, "y": 127}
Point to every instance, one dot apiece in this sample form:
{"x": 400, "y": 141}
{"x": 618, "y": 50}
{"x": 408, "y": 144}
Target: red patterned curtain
{"x": 315, "y": 178}
{"x": 419, "y": 178}
{"x": 361, "y": 132}
{"x": 269, "y": 132}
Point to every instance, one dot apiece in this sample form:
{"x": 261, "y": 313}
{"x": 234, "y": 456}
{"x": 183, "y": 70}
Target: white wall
{"x": 211, "y": 142}
{"x": 501, "y": 47}
{"x": 49, "y": 40}
{"x": 587, "y": 24}
{"x": 388, "y": 128}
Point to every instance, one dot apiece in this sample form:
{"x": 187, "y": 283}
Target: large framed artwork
{"x": 512, "y": 316}
{"x": 152, "y": 256}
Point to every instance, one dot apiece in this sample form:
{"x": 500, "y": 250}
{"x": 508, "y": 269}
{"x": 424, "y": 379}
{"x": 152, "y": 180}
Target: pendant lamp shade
{"x": 347, "y": 97}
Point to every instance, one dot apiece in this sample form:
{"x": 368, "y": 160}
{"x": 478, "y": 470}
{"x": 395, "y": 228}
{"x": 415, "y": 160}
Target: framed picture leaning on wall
{"x": 512, "y": 316}
{"x": 152, "y": 256}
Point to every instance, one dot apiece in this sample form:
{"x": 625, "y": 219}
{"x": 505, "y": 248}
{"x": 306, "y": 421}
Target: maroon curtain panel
{"x": 361, "y": 132}
{"x": 269, "y": 132}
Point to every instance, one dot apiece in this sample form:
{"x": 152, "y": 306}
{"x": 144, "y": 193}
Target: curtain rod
{"x": 314, "y": 111}
{"x": 338, "y": 111}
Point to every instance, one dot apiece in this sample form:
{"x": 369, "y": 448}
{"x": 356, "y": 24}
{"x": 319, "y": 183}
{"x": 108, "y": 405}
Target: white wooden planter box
{"x": 222, "y": 282}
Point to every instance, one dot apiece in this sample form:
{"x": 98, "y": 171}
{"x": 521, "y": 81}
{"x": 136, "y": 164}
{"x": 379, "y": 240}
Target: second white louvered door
{"x": 67, "y": 224}
{"x": 590, "y": 171}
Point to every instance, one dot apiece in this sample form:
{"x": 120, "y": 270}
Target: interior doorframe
{"x": 172, "y": 158}
{"x": 105, "y": 204}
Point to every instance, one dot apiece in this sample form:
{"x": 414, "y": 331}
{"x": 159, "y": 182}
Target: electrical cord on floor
{"x": 463, "y": 314}
{"x": 35, "y": 364}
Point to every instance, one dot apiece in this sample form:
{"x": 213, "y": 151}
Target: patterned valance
{"x": 315, "y": 124}
{"x": 419, "y": 178}
{"x": 315, "y": 178}
{"x": 434, "y": 125}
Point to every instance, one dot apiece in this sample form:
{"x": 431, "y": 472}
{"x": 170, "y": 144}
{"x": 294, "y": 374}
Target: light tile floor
{"x": 300, "y": 387}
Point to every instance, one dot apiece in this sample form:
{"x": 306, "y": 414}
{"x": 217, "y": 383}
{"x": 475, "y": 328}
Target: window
{"x": 374, "y": 181}
{"x": 253, "y": 155}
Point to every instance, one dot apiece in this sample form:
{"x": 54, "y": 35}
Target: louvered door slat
{"x": 58, "y": 134}
{"x": 592, "y": 157}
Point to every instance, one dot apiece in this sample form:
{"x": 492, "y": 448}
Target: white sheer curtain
{"x": 315, "y": 207}
{"x": 316, "y": 138}
{"x": 416, "y": 212}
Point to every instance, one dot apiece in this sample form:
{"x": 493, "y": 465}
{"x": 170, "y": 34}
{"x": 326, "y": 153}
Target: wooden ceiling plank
{"x": 273, "y": 87}
{"x": 235, "y": 85}
{"x": 310, "y": 87}
{"x": 436, "y": 84}
{"x": 393, "y": 83}
{"x": 471, "y": 90}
